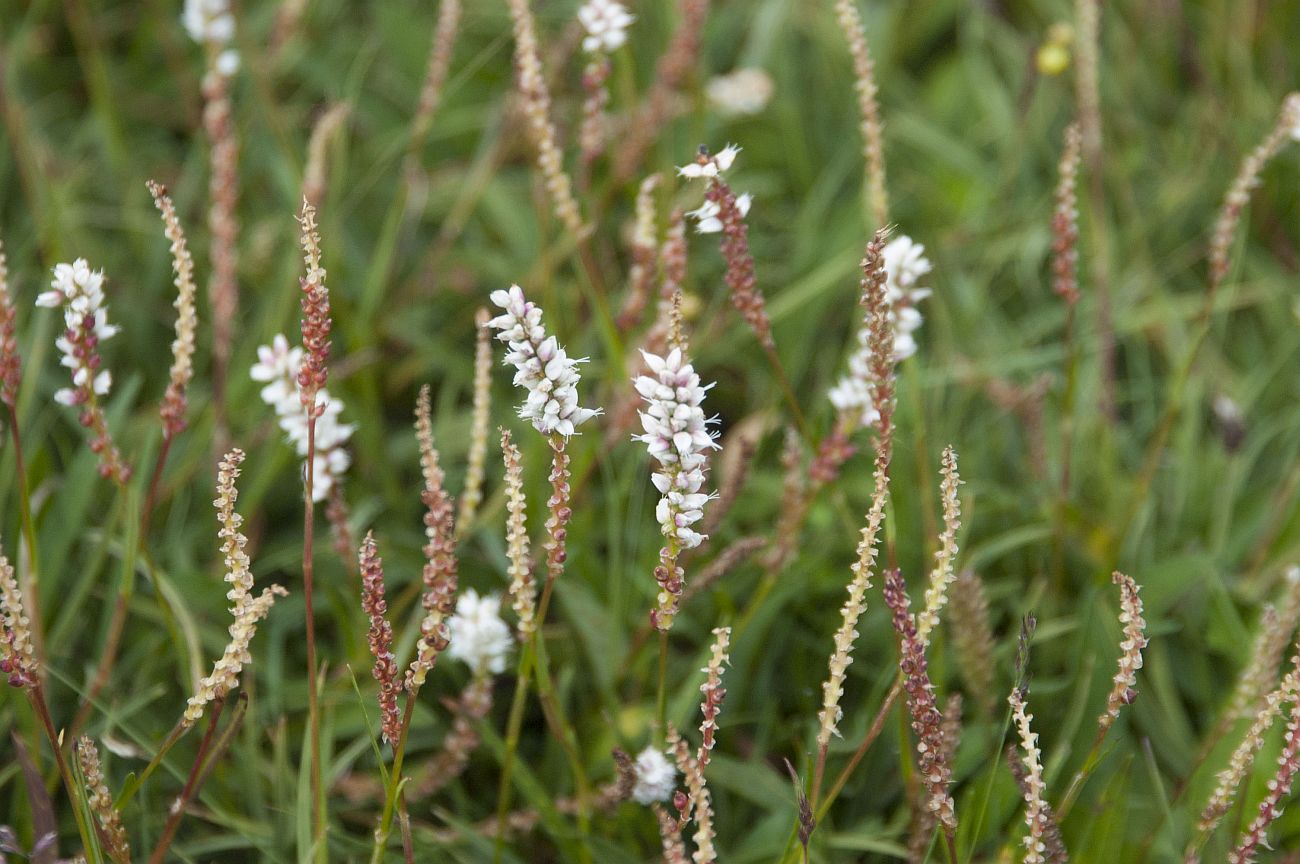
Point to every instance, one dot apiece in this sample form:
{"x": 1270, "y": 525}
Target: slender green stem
{"x": 191, "y": 786}
{"x": 1081, "y": 776}
{"x": 313, "y": 706}
{"x": 513, "y": 726}
{"x": 36, "y": 693}
{"x": 393, "y": 794}
{"x": 661, "y": 701}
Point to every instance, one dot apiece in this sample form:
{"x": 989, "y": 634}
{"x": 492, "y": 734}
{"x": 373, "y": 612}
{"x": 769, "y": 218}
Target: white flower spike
{"x": 478, "y": 635}
{"x": 656, "y": 778}
{"x": 548, "y": 375}
{"x": 678, "y": 438}
{"x": 606, "y": 23}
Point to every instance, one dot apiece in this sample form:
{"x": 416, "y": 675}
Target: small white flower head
{"x": 209, "y": 21}
{"x": 706, "y": 216}
{"x": 478, "y": 635}
{"x": 744, "y": 91}
{"x": 278, "y": 365}
{"x": 80, "y": 291}
{"x": 1292, "y": 108}
{"x": 709, "y": 166}
{"x": 656, "y": 778}
{"x": 548, "y": 375}
{"x": 606, "y": 23}
{"x": 678, "y": 438}
{"x": 228, "y": 63}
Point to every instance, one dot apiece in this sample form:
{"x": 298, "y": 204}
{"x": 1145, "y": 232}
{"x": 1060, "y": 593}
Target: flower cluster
{"x": 548, "y": 375}
{"x": 678, "y": 438}
{"x": 706, "y": 166}
{"x": 708, "y": 215}
{"x": 278, "y": 365}
{"x": 80, "y": 291}
{"x": 606, "y": 23}
{"x": 211, "y": 23}
{"x": 655, "y": 777}
{"x": 478, "y": 635}
{"x": 744, "y": 91}
{"x": 905, "y": 264}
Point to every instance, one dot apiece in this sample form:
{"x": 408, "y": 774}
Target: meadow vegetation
{"x": 738, "y": 431}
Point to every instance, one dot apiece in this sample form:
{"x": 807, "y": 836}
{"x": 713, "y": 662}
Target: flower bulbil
{"x": 182, "y": 369}
{"x": 380, "y": 638}
{"x": 17, "y": 656}
{"x": 80, "y": 291}
{"x": 547, "y": 374}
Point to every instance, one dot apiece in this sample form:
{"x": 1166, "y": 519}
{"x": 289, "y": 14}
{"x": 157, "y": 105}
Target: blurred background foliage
{"x": 98, "y": 96}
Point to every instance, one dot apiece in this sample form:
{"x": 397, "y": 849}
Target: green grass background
{"x": 99, "y": 96}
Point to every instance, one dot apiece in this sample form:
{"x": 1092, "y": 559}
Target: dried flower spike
{"x": 536, "y": 99}
{"x": 864, "y": 71}
{"x": 246, "y": 609}
{"x": 882, "y": 389}
{"x": 80, "y": 291}
{"x": 1275, "y": 629}
{"x": 314, "y": 371}
{"x": 1130, "y": 659}
{"x": 441, "y": 573}
{"x": 943, "y": 574}
{"x": 934, "y": 770}
{"x": 713, "y": 694}
{"x": 1065, "y": 222}
{"x": 182, "y": 369}
{"x": 17, "y": 655}
{"x": 1230, "y": 779}
{"x": 380, "y": 638}
{"x": 547, "y": 374}
{"x": 1037, "y": 815}
{"x": 523, "y": 590}
{"x": 11, "y": 370}
{"x": 972, "y": 635}
{"x": 1279, "y": 788}
{"x": 1247, "y": 179}
{"x": 472, "y": 495}
{"x": 696, "y": 803}
{"x": 112, "y": 834}
{"x": 441, "y": 49}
